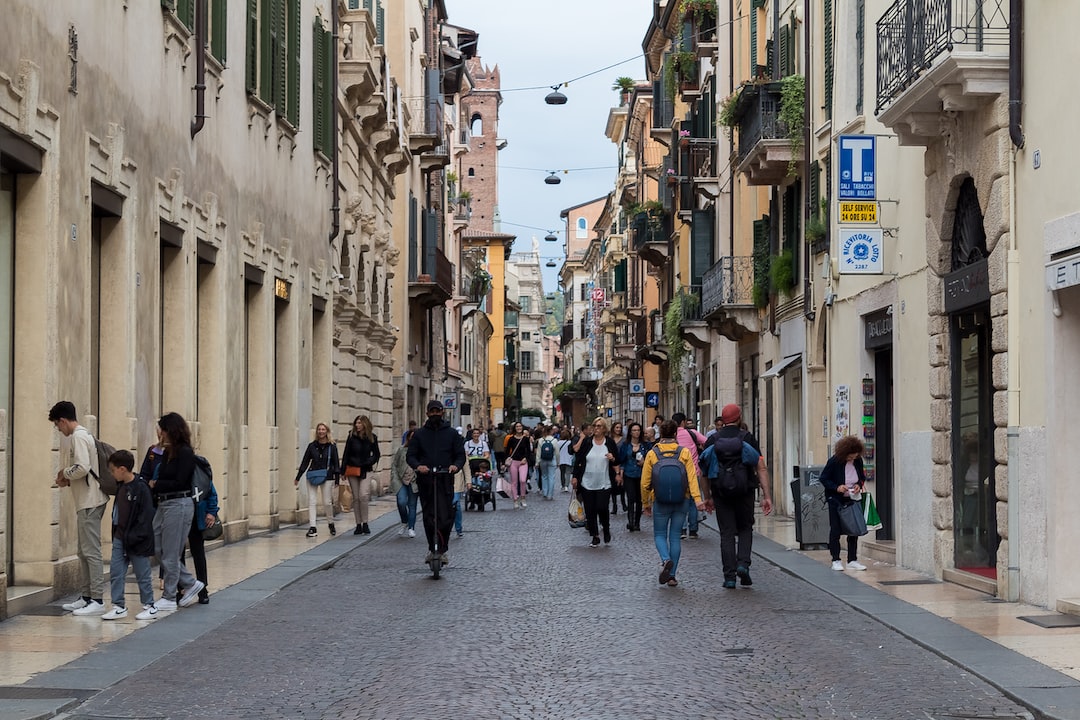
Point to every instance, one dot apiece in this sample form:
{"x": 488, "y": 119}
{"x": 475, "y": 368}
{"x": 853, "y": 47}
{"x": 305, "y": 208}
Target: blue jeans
{"x": 457, "y": 512}
{"x": 118, "y": 571}
{"x": 691, "y": 521}
{"x": 547, "y": 478}
{"x": 667, "y": 522}
{"x": 406, "y": 505}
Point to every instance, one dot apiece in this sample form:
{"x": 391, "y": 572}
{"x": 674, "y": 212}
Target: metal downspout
{"x": 200, "y": 68}
{"x": 335, "y": 208}
{"x": 1016, "y": 84}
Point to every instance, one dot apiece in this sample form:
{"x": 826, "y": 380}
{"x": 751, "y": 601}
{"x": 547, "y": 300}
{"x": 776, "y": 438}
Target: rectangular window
{"x": 526, "y": 360}
{"x": 827, "y": 27}
{"x": 584, "y": 292}
{"x": 526, "y": 303}
{"x": 322, "y": 100}
{"x": 273, "y": 55}
{"x": 216, "y": 13}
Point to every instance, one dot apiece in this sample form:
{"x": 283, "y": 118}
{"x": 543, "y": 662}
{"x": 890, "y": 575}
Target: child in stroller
{"x": 481, "y": 491}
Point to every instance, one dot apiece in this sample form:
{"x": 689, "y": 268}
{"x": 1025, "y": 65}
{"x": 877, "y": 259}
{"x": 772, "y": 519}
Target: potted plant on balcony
{"x": 698, "y": 9}
{"x": 680, "y": 68}
{"x": 672, "y": 178}
{"x": 817, "y": 228}
{"x": 684, "y": 138}
{"x": 782, "y": 272}
{"x": 624, "y": 85}
{"x": 729, "y": 106}
{"x": 682, "y": 303}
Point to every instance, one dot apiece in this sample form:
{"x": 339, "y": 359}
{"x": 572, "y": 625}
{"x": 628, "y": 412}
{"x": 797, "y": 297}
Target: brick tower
{"x": 479, "y": 167}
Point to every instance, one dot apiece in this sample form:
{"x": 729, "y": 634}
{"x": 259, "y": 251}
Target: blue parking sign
{"x": 858, "y": 160}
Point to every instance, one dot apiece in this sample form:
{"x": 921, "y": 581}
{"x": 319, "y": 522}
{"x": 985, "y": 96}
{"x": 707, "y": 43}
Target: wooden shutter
{"x": 218, "y": 34}
{"x": 292, "y": 74}
{"x": 380, "y": 22}
{"x": 185, "y": 12}
{"x": 267, "y": 47}
{"x": 860, "y": 60}
{"x": 815, "y": 189}
{"x": 620, "y": 276}
{"x": 761, "y": 261}
{"x": 701, "y": 244}
{"x": 785, "y": 50}
{"x": 753, "y": 39}
{"x": 252, "y": 49}
{"x": 319, "y": 81}
{"x": 827, "y": 26}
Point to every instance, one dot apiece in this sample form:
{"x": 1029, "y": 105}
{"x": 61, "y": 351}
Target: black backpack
{"x": 734, "y": 478}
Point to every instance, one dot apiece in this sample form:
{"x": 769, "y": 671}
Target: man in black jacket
{"x": 437, "y": 453}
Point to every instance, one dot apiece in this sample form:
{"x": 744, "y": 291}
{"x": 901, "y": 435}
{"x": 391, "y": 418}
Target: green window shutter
{"x": 267, "y": 48}
{"x": 218, "y": 35}
{"x": 367, "y": 5}
{"x": 785, "y": 50}
{"x": 620, "y": 276}
{"x": 354, "y": 4}
{"x": 185, "y": 11}
{"x": 252, "y": 48}
{"x": 380, "y": 22}
{"x": 761, "y": 261}
{"x": 815, "y": 189}
{"x": 292, "y": 75}
{"x": 701, "y": 247}
{"x": 753, "y": 40}
{"x": 827, "y": 25}
{"x": 860, "y": 42}
{"x": 318, "y": 87}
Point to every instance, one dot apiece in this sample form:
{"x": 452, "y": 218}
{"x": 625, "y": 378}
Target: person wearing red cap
{"x": 735, "y": 515}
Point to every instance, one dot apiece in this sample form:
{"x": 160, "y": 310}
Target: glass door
{"x": 974, "y": 499}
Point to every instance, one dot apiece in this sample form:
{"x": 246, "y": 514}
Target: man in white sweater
{"x": 78, "y": 457}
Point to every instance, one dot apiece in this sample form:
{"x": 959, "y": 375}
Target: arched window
{"x": 472, "y": 172}
{"x": 582, "y": 228}
{"x": 476, "y": 125}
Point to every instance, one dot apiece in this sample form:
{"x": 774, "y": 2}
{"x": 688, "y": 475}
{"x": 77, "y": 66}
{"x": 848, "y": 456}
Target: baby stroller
{"x": 481, "y": 490}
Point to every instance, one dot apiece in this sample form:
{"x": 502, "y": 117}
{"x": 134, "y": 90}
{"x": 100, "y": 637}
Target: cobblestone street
{"x": 528, "y": 622}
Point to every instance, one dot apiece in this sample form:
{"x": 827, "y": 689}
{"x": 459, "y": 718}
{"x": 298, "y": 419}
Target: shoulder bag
{"x": 852, "y": 522}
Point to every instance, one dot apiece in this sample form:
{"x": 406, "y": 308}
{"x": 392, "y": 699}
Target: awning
{"x": 779, "y": 368}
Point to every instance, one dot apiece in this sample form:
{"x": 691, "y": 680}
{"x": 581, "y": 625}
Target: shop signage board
{"x": 1063, "y": 273}
{"x": 861, "y": 252}
{"x": 859, "y": 212}
{"x": 858, "y": 173}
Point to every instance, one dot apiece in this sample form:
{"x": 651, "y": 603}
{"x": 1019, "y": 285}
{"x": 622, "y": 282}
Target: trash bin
{"x": 811, "y": 509}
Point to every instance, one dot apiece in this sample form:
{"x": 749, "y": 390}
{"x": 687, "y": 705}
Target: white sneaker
{"x": 191, "y": 594}
{"x": 523, "y": 504}
{"x": 164, "y": 605}
{"x": 91, "y": 608}
{"x": 116, "y": 613}
{"x": 412, "y": 533}
{"x": 149, "y": 612}
{"x": 403, "y": 531}
{"x": 855, "y": 565}
{"x": 837, "y": 565}
{"x": 74, "y": 605}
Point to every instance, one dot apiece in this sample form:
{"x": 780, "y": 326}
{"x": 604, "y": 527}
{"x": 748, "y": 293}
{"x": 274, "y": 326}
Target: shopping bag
{"x": 502, "y": 487}
{"x": 345, "y": 497}
{"x": 575, "y": 514}
{"x": 870, "y": 513}
{"x": 852, "y": 521}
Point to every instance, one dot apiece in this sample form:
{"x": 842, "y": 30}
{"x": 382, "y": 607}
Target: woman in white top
{"x": 594, "y": 476}
{"x": 566, "y": 459}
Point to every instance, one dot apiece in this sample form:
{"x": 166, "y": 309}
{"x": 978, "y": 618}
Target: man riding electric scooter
{"x": 437, "y": 453}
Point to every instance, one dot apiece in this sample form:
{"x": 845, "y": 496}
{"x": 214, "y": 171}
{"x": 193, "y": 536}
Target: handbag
{"x": 353, "y": 471}
{"x": 852, "y": 522}
{"x": 502, "y": 487}
{"x": 345, "y": 497}
{"x": 870, "y": 513}
{"x": 316, "y": 477}
{"x": 213, "y": 532}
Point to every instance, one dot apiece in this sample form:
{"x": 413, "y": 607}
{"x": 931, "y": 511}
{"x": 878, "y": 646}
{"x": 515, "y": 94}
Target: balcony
{"x": 532, "y": 376}
{"x": 651, "y": 237}
{"x": 727, "y": 298}
{"x": 937, "y": 56}
{"x": 425, "y": 123}
{"x": 475, "y": 288}
{"x": 655, "y": 350}
{"x": 567, "y": 336}
{"x": 663, "y": 114}
{"x": 437, "y": 157}
{"x": 589, "y": 376}
{"x": 434, "y": 285}
{"x": 765, "y": 154}
{"x": 360, "y": 62}
{"x": 694, "y": 329}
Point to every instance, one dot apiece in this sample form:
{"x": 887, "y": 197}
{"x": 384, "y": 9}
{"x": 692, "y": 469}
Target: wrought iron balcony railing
{"x": 729, "y": 282}
{"x": 912, "y": 33}
{"x": 647, "y": 229}
{"x": 759, "y": 116}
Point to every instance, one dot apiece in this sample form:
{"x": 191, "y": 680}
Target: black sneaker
{"x": 333, "y": 530}
{"x": 693, "y": 534}
{"x": 595, "y": 542}
{"x": 744, "y": 575}
{"x": 312, "y": 532}
{"x": 607, "y": 536}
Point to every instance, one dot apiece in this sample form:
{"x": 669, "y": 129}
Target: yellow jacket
{"x": 650, "y": 460}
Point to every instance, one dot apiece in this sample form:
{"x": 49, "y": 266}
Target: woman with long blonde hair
{"x": 319, "y": 470}
{"x": 360, "y": 457}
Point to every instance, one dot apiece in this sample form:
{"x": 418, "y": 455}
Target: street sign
{"x": 598, "y": 295}
{"x": 652, "y": 400}
{"x": 859, "y": 212}
{"x": 858, "y": 154}
{"x": 449, "y": 401}
{"x": 637, "y": 386}
{"x": 637, "y": 403}
{"x": 860, "y": 252}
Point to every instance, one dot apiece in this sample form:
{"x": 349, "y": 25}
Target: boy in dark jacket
{"x": 133, "y": 537}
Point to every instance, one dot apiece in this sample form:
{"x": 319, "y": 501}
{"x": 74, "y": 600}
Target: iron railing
{"x": 647, "y": 229}
{"x": 729, "y": 282}
{"x": 759, "y": 116}
{"x": 912, "y": 33}
{"x": 692, "y": 309}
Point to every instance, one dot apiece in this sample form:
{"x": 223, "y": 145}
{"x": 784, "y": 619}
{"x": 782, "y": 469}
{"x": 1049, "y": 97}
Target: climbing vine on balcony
{"x": 678, "y": 308}
{"x": 793, "y": 115}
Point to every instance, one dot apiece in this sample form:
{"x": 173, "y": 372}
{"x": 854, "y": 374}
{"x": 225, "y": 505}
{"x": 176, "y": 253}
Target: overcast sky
{"x": 544, "y": 44}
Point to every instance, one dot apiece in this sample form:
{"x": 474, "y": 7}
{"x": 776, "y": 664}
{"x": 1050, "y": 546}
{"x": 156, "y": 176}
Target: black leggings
{"x": 632, "y": 487}
{"x": 596, "y": 510}
{"x": 834, "y": 536}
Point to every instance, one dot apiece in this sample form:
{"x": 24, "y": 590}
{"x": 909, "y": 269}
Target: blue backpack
{"x": 669, "y": 481}
{"x": 547, "y": 451}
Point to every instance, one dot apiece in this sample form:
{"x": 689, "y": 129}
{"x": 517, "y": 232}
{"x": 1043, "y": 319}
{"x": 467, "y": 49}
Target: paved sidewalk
{"x": 89, "y": 655}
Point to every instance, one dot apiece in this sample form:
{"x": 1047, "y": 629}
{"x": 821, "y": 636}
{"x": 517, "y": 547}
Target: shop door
{"x": 883, "y": 452}
{"x": 974, "y": 499}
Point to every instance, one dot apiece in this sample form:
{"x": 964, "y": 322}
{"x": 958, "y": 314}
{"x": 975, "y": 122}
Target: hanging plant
{"x": 728, "y": 108}
{"x": 782, "y": 272}
{"x": 699, "y": 8}
{"x": 793, "y": 114}
{"x": 681, "y": 304}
